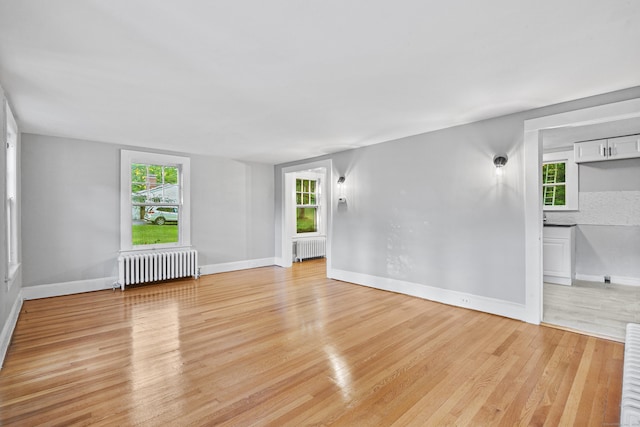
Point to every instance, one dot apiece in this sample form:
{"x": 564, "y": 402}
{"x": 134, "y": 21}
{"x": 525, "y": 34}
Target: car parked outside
{"x": 160, "y": 215}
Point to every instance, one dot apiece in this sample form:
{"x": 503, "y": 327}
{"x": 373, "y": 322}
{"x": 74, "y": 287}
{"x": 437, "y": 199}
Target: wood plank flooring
{"x": 591, "y": 307}
{"x": 274, "y": 346}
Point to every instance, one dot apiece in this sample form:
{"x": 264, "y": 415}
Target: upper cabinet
{"x": 624, "y": 147}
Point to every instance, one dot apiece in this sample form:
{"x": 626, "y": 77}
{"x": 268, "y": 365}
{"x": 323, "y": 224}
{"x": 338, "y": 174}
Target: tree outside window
{"x": 306, "y": 206}
{"x": 554, "y": 184}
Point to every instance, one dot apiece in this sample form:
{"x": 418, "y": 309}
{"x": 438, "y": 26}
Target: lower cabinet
{"x": 558, "y": 254}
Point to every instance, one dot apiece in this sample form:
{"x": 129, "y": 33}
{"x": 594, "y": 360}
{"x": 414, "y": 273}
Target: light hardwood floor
{"x": 591, "y": 307}
{"x": 274, "y": 346}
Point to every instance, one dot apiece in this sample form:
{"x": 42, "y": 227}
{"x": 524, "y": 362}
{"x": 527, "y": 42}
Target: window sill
{"x": 303, "y": 236}
{"x": 155, "y": 249}
{"x": 560, "y": 209}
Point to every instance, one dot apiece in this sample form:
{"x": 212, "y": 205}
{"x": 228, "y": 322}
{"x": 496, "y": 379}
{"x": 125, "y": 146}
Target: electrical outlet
{"x": 465, "y": 300}
{"x": 607, "y": 279}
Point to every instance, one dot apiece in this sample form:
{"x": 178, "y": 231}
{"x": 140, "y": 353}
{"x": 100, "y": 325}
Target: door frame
{"x": 284, "y": 253}
{"x": 533, "y": 186}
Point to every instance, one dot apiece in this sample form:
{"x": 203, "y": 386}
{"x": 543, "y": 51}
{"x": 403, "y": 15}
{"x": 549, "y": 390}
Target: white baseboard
{"x": 459, "y": 299}
{"x": 557, "y": 280}
{"x": 79, "y": 286}
{"x": 67, "y": 288}
{"x": 9, "y": 326}
{"x": 236, "y": 265}
{"x": 618, "y": 280}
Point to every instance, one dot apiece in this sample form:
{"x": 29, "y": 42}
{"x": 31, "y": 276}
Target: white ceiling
{"x": 280, "y": 80}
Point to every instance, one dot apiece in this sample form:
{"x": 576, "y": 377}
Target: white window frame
{"x": 570, "y": 179}
{"x": 11, "y": 196}
{"x": 320, "y": 203}
{"x": 127, "y": 158}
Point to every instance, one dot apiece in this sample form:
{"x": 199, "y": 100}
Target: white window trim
{"x": 184, "y": 221}
{"x": 570, "y": 179}
{"x": 320, "y": 204}
{"x": 12, "y": 261}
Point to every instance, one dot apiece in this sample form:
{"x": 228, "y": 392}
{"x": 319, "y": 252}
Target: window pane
{"x": 561, "y": 168}
{"x": 553, "y": 173}
{"x": 298, "y": 199}
{"x": 154, "y": 175}
{"x": 312, "y": 199}
{"x": 305, "y": 199}
{"x": 554, "y": 195}
{"x": 560, "y": 195}
{"x": 298, "y": 185}
{"x": 153, "y": 225}
{"x": 313, "y": 187}
{"x": 306, "y": 220}
{"x": 305, "y": 185}
{"x": 138, "y": 173}
{"x": 170, "y": 175}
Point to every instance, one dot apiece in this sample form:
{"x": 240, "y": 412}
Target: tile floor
{"x": 592, "y": 307}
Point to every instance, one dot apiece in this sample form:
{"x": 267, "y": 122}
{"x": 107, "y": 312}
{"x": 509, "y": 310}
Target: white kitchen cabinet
{"x": 558, "y": 254}
{"x": 623, "y": 147}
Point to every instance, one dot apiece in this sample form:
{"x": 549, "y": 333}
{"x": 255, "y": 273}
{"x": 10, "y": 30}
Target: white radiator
{"x": 310, "y": 248}
{"x": 156, "y": 266}
{"x": 630, "y": 402}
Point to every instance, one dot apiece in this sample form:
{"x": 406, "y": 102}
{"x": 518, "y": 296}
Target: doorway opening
{"x": 306, "y": 211}
{"x": 573, "y": 122}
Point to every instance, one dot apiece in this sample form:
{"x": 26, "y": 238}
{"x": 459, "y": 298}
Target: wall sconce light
{"x": 341, "y": 197}
{"x": 499, "y": 161}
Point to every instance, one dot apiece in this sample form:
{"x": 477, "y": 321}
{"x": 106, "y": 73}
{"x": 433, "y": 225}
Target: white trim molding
{"x": 616, "y": 280}
{"x": 9, "y": 327}
{"x": 286, "y": 221}
{"x": 68, "y": 288}
{"x": 127, "y": 158}
{"x": 236, "y": 265}
{"x": 102, "y": 283}
{"x": 459, "y": 299}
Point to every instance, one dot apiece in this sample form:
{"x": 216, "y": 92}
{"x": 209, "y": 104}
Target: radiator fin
{"x": 156, "y": 266}
{"x": 310, "y": 248}
{"x": 630, "y": 402}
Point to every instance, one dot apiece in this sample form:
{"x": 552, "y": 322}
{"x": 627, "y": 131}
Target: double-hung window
{"x": 307, "y": 206}
{"x": 554, "y": 186}
{"x": 11, "y": 195}
{"x": 559, "y": 181}
{"x": 154, "y": 201}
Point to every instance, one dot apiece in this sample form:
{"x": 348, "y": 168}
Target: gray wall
{"x": 427, "y": 209}
{"x": 71, "y": 209}
{"x": 615, "y": 175}
{"x": 610, "y": 249}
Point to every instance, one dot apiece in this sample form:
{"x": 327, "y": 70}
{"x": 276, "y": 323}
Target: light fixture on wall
{"x": 499, "y": 161}
{"x": 341, "y": 197}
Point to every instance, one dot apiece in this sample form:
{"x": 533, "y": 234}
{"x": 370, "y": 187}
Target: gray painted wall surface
{"x": 615, "y": 175}
{"x": 71, "y": 227}
{"x": 608, "y": 250}
{"x": 427, "y": 210}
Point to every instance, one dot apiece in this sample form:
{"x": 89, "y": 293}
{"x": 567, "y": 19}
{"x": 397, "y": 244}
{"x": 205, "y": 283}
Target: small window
{"x": 155, "y": 201}
{"x": 307, "y": 206}
{"x": 559, "y": 181}
{"x": 554, "y": 187}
